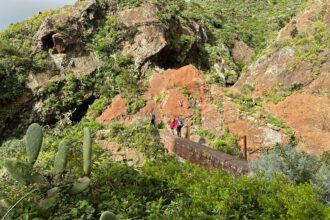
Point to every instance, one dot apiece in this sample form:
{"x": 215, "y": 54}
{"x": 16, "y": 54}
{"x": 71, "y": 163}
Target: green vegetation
{"x": 163, "y": 188}
{"x": 310, "y": 43}
{"x": 298, "y": 166}
{"x": 245, "y": 98}
{"x": 107, "y": 40}
{"x": 218, "y": 103}
{"x": 140, "y": 135}
{"x": 53, "y": 182}
{"x": 228, "y": 143}
{"x": 205, "y": 133}
{"x": 279, "y": 123}
{"x": 279, "y": 93}
{"x": 60, "y": 173}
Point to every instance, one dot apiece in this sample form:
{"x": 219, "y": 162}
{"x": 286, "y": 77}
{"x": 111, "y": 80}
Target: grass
{"x": 281, "y": 124}
{"x": 245, "y": 99}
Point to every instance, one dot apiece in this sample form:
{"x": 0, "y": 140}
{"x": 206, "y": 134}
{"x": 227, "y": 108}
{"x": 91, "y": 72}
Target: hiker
{"x": 152, "y": 119}
{"x": 172, "y": 124}
{"x": 179, "y": 127}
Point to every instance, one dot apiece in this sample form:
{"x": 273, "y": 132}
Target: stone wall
{"x": 202, "y": 155}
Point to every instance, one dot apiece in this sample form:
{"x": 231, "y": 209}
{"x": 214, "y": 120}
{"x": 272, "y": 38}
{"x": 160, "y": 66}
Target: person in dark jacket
{"x": 152, "y": 119}
{"x": 179, "y": 126}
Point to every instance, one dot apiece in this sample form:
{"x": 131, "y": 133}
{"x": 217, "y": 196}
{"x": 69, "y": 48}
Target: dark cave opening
{"x": 47, "y": 42}
{"x": 81, "y": 109}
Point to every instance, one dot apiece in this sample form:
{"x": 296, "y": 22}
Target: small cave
{"x": 170, "y": 57}
{"x": 166, "y": 58}
{"x": 81, "y": 110}
{"x": 47, "y": 42}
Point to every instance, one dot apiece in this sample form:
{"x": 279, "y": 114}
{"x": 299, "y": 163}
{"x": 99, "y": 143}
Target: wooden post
{"x": 187, "y": 136}
{"x": 245, "y": 148}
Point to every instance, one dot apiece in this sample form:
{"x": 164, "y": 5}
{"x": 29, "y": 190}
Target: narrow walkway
{"x": 203, "y": 155}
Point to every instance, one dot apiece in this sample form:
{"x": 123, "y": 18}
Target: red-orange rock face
{"x": 115, "y": 111}
{"x": 258, "y": 134}
{"x": 176, "y": 104}
{"x": 309, "y": 116}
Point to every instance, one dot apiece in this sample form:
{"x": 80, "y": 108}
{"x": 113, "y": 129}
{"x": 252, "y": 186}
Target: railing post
{"x": 245, "y": 148}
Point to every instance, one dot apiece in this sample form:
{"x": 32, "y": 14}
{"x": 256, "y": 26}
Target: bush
{"x": 228, "y": 144}
{"x": 140, "y": 135}
{"x": 299, "y": 167}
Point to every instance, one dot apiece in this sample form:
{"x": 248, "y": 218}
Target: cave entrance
{"x": 47, "y": 42}
{"x": 81, "y": 110}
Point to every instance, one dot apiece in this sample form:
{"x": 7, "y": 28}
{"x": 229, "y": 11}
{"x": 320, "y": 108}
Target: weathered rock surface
{"x": 241, "y": 52}
{"x": 212, "y": 119}
{"x": 176, "y": 105}
{"x": 41, "y": 80}
{"x": 150, "y": 37}
{"x": 286, "y": 65}
{"x": 309, "y": 116}
{"x": 267, "y": 72}
{"x": 145, "y": 14}
{"x": 165, "y": 99}
{"x": 115, "y": 111}
{"x": 186, "y": 77}
{"x": 259, "y": 134}
{"x": 301, "y": 21}
{"x": 156, "y": 42}
{"x": 322, "y": 83}
{"x": 63, "y": 32}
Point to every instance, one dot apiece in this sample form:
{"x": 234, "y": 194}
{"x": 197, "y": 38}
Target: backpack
{"x": 180, "y": 123}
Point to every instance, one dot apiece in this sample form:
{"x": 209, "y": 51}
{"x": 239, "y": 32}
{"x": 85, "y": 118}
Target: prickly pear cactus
{"x": 61, "y": 158}
{"x": 80, "y": 186}
{"x": 108, "y": 216}
{"x": 22, "y": 172}
{"x": 52, "y": 199}
{"x": 33, "y": 142}
{"x": 87, "y": 151}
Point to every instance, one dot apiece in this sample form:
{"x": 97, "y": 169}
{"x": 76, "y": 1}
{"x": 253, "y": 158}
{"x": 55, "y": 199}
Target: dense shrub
{"x": 297, "y": 165}
{"x": 227, "y": 143}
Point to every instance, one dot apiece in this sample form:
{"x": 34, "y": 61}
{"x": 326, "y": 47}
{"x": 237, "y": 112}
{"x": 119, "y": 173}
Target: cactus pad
{"x": 61, "y": 158}
{"x": 22, "y": 172}
{"x": 80, "y": 186}
{"x": 33, "y": 141}
{"x": 108, "y": 216}
{"x": 87, "y": 151}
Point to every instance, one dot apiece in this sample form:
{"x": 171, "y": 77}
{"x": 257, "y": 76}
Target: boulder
{"x": 149, "y": 41}
{"x": 155, "y": 41}
{"x": 37, "y": 82}
{"x": 139, "y": 16}
{"x": 241, "y": 52}
{"x": 150, "y": 37}
{"x": 63, "y": 33}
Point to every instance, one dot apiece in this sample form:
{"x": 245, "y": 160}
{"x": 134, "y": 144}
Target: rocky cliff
{"x": 229, "y": 69}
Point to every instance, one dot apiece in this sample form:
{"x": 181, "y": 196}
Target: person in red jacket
{"x": 173, "y": 124}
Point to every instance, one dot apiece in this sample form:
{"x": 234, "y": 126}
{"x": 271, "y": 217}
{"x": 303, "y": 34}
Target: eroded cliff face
{"x": 184, "y": 93}
{"x": 89, "y": 45}
{"x": 65, "y": 41}
{"x": 300, "y": 54}
{"x": 298, "y": 61}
